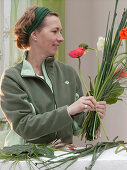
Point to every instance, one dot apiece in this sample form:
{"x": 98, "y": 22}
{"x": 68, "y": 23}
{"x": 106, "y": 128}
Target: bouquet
{"x": 113, "y": 67}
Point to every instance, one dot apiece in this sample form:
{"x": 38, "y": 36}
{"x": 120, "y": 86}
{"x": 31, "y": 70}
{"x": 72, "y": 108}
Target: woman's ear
{"x": 33, "y": 35}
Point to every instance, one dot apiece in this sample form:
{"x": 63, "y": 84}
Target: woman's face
{"x": 49, "y": 38}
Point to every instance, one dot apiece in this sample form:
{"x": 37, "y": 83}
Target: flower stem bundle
{"x": 107, "y": 85}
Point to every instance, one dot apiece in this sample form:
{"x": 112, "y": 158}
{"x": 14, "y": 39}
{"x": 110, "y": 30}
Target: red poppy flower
{"x": 77, "y": 53}
{"x": 123, "y": 73}
{"x": 123, "y": 33}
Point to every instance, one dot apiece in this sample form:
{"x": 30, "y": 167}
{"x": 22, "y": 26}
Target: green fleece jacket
{"x": 36, "y": 108}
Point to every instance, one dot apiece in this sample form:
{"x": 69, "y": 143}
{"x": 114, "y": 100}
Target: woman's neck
{"x": 36, "y": 59}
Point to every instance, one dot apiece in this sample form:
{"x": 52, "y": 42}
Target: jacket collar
{"x": 27, "y": 69}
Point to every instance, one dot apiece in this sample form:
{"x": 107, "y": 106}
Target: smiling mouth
{"x": 56, "y": 45}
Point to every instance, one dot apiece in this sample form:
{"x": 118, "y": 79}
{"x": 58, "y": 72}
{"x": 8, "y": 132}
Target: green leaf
{"x": 114, "y": 92}
{"x": 17, "y": 149}
{"x": 112, "y": 100}
{"x": 45, "y": 151}
{"x": 30, "y": 149}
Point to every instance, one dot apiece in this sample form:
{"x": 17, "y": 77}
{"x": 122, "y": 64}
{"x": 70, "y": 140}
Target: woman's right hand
{"x": 82, "y": 104}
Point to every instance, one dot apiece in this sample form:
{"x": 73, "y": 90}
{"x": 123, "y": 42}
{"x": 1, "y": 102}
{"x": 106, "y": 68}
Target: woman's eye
{"x": 55, "y": 31}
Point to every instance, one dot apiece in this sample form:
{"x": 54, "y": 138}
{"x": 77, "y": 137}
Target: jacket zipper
{"x": 53, "y": 93}
{"x": 52, "y": 86}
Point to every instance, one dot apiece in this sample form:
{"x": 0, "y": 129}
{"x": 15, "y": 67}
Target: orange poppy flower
{"x": 123, "y": 33}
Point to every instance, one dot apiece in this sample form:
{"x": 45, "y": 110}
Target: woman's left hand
{"x": 101, "y": 108}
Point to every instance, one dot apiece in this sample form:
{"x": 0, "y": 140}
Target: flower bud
{"x": 85, "y": 46}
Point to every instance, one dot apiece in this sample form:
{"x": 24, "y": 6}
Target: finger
{"x": 89, "y": 104}
{"x": 90, "y": 101}
{"x": 101, "y": 115}
{"x": 87, "y": 107}
{"x": 91, "y": 98}
{"x": 100, "y": 107}
{"x": 101, "y": 103}
{"x": 102, "y": 111}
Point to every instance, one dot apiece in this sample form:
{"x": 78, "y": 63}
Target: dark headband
{"x": 40, "y": 14}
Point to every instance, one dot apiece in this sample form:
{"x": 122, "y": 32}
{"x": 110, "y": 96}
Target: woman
{"x": 41, "y": 98}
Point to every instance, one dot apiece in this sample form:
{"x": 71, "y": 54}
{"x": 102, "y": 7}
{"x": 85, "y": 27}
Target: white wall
{"x": 85, "y": 22}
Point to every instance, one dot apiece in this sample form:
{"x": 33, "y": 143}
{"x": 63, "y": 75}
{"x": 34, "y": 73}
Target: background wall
{"x": 85, "y": 22}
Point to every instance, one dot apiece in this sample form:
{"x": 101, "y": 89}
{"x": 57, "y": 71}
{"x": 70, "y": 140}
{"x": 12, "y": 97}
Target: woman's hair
{"x": 22, "y": 41}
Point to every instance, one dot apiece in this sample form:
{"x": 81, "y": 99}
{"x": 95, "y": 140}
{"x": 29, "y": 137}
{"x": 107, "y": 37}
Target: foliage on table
{"x": 106, "y": 85}
{"x": 120, "y": 148}
{"x": 32, "y": 153}
{"x": 18, "y": 153}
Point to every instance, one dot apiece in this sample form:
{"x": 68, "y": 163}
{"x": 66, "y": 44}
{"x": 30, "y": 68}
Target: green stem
{"x": 89, "y": 95}
{"x": 84, "y": 83}
{"x": 102, "y": 125}
{"x": 97, "y": 57}
{"x": 99, "y": 76}
{"x": 119, "y": 55}
{"x": 97, "y": 85}
{"x": 108, "y": 77}
{"x": 116, "y": 49}
{"x": 94, "y": 127}
{"x": 98, "y": 81}
{"x": 117, "y": 149}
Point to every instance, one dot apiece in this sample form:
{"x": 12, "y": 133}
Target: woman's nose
{"x": 60, "y": 38}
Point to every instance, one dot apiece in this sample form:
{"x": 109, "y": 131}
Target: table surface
{"x": 107, "y": 161}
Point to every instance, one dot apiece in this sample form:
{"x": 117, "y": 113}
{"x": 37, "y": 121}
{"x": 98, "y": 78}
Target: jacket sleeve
{"x": 21, "y": 116}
